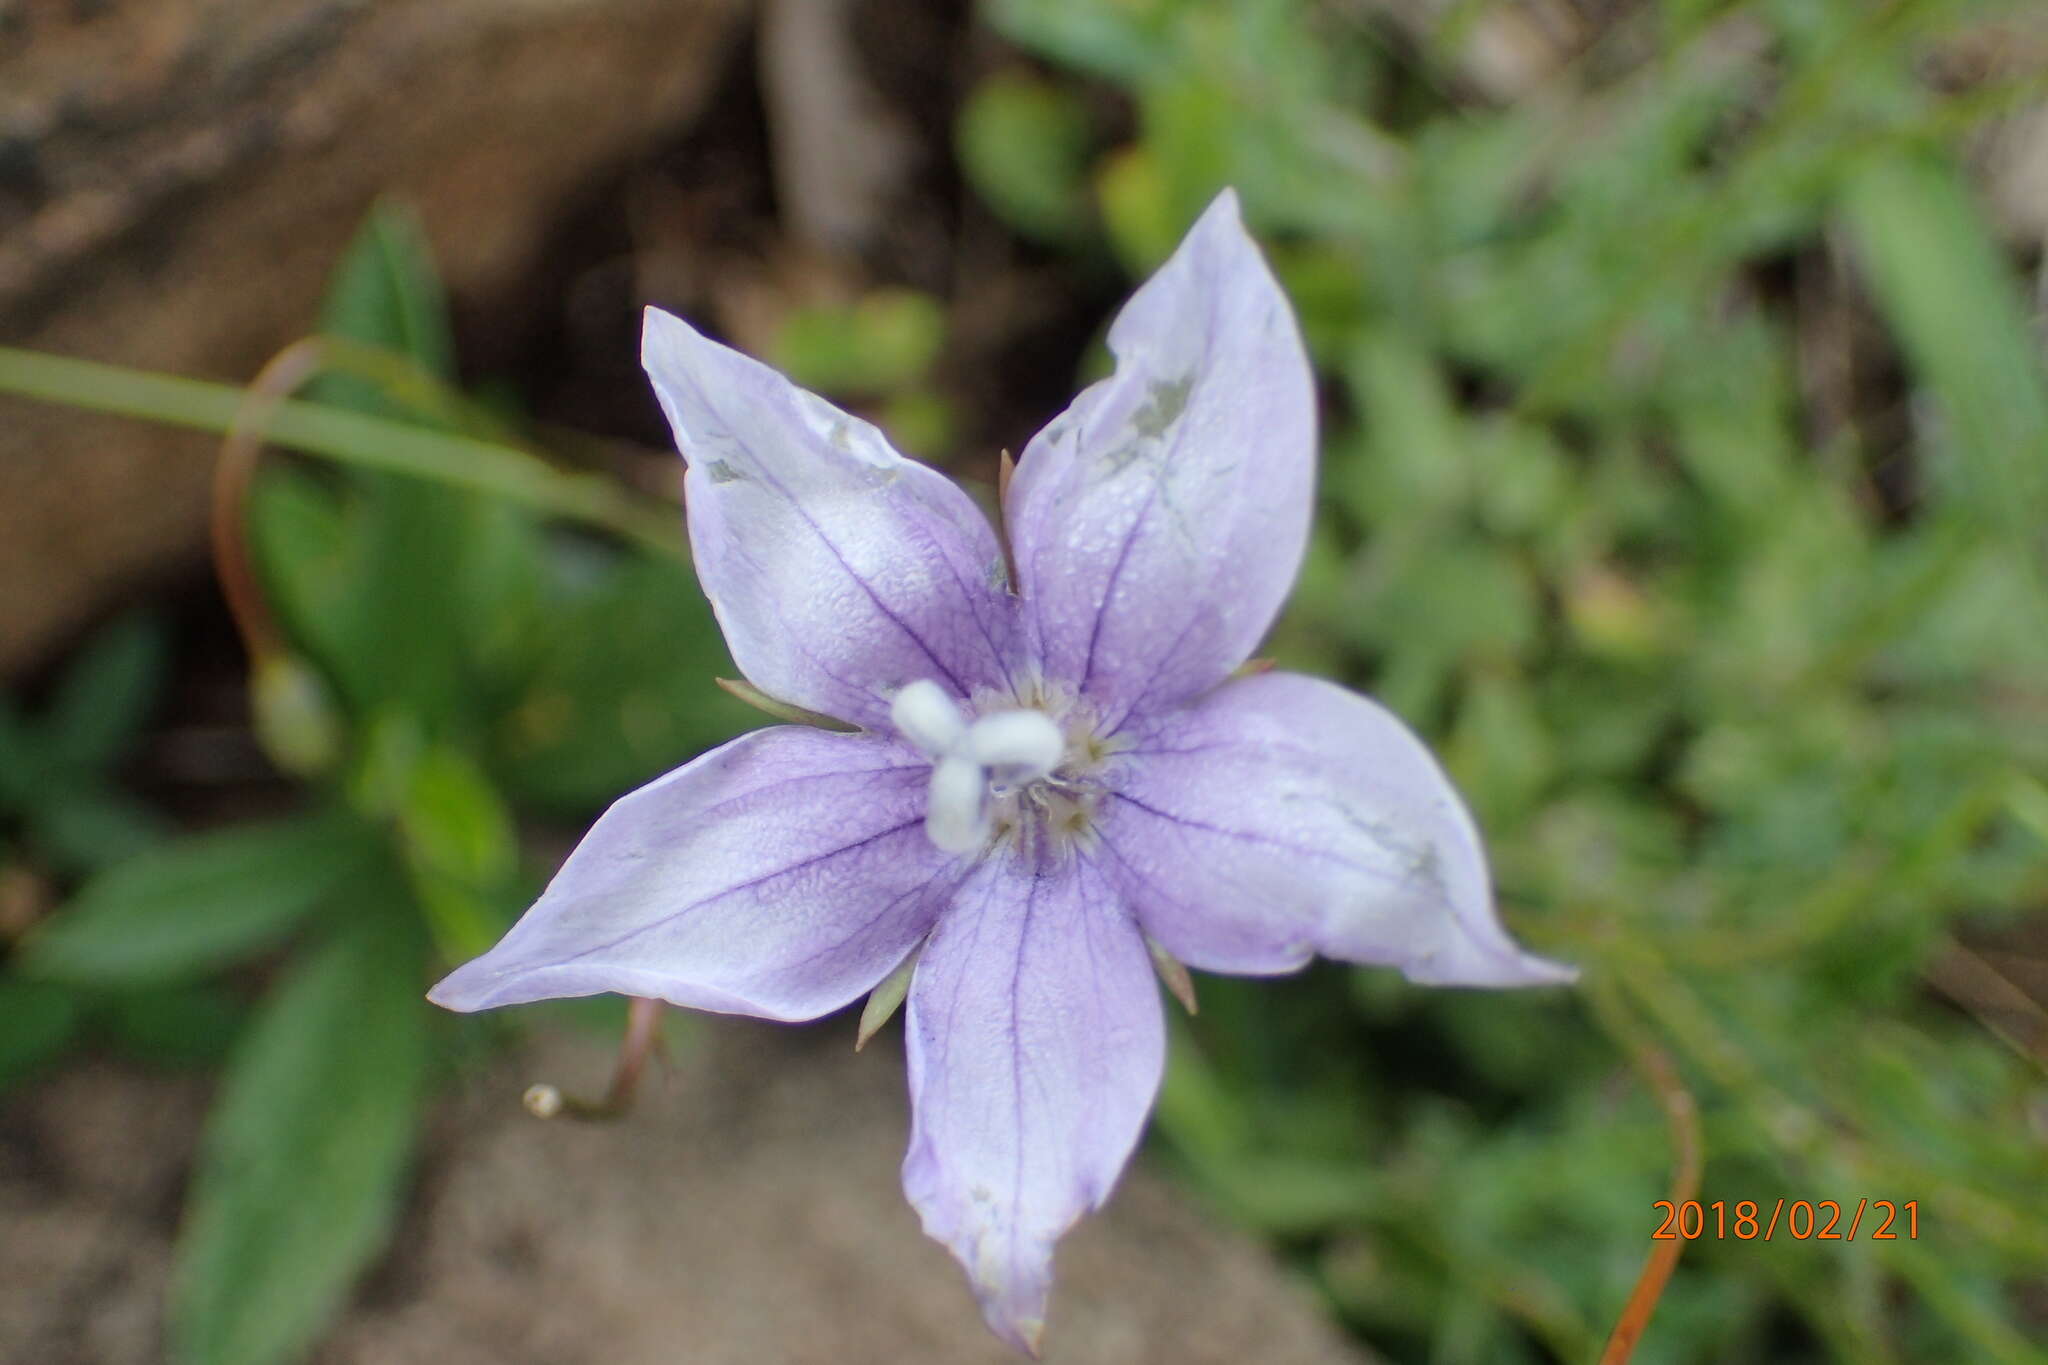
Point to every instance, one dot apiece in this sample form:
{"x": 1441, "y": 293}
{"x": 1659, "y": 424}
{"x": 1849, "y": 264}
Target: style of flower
{"x": 1058, "y": 773}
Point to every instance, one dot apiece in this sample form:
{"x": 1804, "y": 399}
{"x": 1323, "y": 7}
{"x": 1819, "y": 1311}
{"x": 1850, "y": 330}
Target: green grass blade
{"x": 348, "y": 437}
{"x": 1945, "y": 288}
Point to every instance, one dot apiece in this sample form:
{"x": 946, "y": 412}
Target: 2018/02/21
{"x": 1803, "y": 1220}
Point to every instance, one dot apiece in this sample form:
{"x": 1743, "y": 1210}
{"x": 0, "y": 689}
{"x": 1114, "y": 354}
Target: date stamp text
{"x": 1802, "y": 1220}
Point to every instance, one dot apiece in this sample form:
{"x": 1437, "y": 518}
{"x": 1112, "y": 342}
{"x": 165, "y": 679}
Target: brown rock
{"x": 748, "y": 1211}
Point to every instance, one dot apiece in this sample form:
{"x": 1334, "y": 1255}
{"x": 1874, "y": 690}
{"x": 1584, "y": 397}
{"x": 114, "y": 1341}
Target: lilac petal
{"x": 1036, "y": 1043}
{"x": 839, "y": 570}
{"x": 1283, "y": 816}
{"x": 780, "y": 875}
{"x": 1159, "y": 521}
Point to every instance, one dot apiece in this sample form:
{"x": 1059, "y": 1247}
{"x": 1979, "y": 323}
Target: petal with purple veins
{"x": 780, "y": 875}
{"x": 1036, "y": 1042}
{"x": 1158, "y": 522}
{"x": 1282, "y": 816}
{"x": 840, "y": 571}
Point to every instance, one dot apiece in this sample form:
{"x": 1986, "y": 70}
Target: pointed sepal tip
{"x": 1173, "y": 973}
{"x": 886, "y": 998}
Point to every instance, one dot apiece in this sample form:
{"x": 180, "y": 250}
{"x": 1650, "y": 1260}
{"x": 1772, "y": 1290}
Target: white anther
{"x": 1022, "y": 745}
{"x": 957, "y": 815}
{"x": 927, "y": 717}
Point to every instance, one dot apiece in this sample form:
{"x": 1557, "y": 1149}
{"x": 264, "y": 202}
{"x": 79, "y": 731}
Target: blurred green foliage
{"x": 65, "y": 813}
{"x": 877, "y": 351}
{"x": 1747, "y": 690}
{"x": 57, "y": 796}
{"x": 441, "y": 660}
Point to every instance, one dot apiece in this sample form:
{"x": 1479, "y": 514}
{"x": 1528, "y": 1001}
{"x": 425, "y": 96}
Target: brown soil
{"x": 747, "y": 1212}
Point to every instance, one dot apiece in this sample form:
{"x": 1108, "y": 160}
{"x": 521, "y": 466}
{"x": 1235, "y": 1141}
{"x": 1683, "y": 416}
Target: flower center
{"x": 1016, "y": 773}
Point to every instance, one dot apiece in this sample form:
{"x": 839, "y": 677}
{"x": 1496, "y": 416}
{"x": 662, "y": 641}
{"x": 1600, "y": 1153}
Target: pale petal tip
{"x": 666, "y": 343}
{"x": 1495, "y": 959}
{"x": 1225, "y": 215}
{"x": 1480, "y": 965}
{"x": 669, "y": 346}
{"x": 654, "y": 321}
{"x": 1530, "y": 970}
{"x": 462, "y": 990}
{"x": 1010, "y": 1274}
{"x": 1017, "y": 1315}
{"x": 1226, "y": 204}
{"x": 481, "y": 983}
{"x": 1544, "y": 972}
{"x": 1027, "y": 1336}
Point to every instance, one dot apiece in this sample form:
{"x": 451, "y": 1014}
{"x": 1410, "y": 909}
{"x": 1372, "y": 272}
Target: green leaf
{"x": 453, "y": 817}
{"x": 21, "y": 757}
{"x": 1420, "y": 466}
{"x": 300, "y": 537}
{"x": 884, "y": 341}
{"x": 1947, "y": 291}
{"x": 172, "y": 1026}
{"x": 387, "y": 293}
{"x": 1023, "y": 145}
{"x": 1502, "y": 753}
{"x": 105, "y": 693}
{"x": 300, "y": 1168}
{"x": 919, "y": 421}
{"x": 461, "y": 850}
{"x": 36, "y": 1020}
{"x": 1460, "y": 597}
{"x": 1193, "y": 128}
{"x": 1197, "y": 1110}
{"x": 1121, "y": 42}
{"x": 401, "y": 624}
{"x": 84, "y": 825}
{"x": 418, "y": 608}
{"x": 621, "y": 690}
{"x": 1137, "y": 208}
{"x": 195, "y": 906}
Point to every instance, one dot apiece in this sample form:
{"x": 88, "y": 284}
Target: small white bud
{"x": 927, "y": 717}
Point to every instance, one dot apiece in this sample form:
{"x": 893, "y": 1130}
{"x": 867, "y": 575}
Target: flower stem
{"x": 642, "y": 1037}
{"x": 1681, "y": 1113}
{"x": 234, "y": 472}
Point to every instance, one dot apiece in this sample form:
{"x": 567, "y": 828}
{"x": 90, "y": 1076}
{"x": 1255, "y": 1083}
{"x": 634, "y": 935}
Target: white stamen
{"x": 928, "y": 718}
{"x": 957, "y": 816}
{"x": 1025, "y": 745}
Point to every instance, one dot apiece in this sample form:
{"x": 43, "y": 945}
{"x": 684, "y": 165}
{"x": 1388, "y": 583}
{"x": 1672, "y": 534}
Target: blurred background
{"x": 1685, "y": 482}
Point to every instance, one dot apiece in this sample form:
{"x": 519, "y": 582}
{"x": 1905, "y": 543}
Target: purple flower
{"x": 1055, "y": 777}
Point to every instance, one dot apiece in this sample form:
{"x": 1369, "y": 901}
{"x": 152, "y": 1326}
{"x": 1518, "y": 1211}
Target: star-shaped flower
{"x": 1053, "y": 777}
